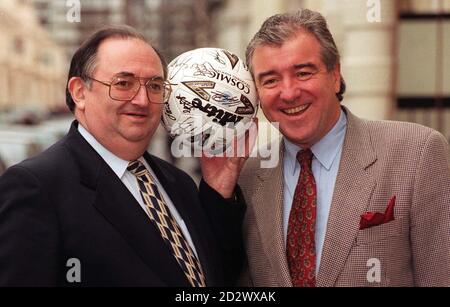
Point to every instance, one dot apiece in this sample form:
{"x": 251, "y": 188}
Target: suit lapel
{"x": 269, "y": 219}
{"x": 112, "y": 199}
{"x": 353, "y": 189}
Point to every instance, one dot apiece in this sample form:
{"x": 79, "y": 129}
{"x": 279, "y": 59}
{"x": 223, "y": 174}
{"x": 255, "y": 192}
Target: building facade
{"x": 32, "y": 66}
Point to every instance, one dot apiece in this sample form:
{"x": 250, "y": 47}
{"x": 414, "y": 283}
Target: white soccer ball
{"x": 213, "y": 97}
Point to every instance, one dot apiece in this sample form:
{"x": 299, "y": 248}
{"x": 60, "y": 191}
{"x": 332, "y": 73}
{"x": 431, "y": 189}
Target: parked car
{"x": 19, "y": 142}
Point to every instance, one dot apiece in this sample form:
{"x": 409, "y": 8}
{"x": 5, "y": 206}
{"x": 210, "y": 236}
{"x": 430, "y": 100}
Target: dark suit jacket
{"x": 67, "y": 203}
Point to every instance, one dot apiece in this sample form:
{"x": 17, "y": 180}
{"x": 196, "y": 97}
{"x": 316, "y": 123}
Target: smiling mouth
{"x": 136, "y": 114}
{"x": 296, "y": 110}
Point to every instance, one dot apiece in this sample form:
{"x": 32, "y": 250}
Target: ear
{"x": 337, "y": 77}
{"x": 77, "y": 88}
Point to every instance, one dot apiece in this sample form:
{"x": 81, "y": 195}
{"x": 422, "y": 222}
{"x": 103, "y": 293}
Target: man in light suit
{"x": 96, "y": 209}
{"x": 352, "y": 202}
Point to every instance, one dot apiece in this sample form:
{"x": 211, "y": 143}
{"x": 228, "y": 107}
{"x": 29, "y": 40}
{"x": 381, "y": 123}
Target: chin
{"x": 139, "y": 132}
{"x": 297, "y": 136}
{"x": 139, "y": 137}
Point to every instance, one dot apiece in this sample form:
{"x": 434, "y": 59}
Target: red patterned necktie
{"x": 301, "y": 249}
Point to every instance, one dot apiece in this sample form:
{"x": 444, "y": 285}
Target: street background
{"x": 395, "y": 56}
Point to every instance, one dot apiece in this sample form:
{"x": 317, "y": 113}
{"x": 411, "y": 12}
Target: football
{"x": 212, "y": 99}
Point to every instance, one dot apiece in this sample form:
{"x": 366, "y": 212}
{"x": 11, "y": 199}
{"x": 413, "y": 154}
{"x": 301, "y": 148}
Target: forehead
{"x": 116, "y": 55}
{"x": 302, "y": 48}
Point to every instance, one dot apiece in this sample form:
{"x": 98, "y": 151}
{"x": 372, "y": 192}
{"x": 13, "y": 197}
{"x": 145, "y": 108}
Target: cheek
{"x": 267, "y": 100}
{"x": 107, "y": 114}
{"x": 318, "y": 93}
{"x": 96, "y": 103}
{"x": 268, "y": 108}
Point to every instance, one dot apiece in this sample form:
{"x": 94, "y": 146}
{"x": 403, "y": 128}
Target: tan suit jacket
{"x": 379, "y": 159}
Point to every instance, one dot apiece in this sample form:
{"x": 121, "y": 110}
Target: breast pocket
{"x": 381, "y": 232}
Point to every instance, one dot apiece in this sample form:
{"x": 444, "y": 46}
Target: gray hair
{"x": 279, "y": 28}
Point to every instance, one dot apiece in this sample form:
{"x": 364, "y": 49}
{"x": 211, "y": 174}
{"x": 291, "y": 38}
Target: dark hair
{"x": 279, "y": 28}
{"x": 85, "y": 58}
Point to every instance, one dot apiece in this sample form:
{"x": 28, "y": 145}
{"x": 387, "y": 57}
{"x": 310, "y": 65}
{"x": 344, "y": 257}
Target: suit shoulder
{"x": 398, "y": 125}
{"x": 405, "y": 143}
{"x": 400, "y": 133}
{"x": 49, "y": 163}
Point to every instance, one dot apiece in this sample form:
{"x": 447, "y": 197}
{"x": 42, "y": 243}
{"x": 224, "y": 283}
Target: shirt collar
{"x": 324, "y": 151}
{"x": 118, "y": 165}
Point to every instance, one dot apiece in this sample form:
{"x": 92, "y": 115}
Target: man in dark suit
{"x": 96, "y": 208}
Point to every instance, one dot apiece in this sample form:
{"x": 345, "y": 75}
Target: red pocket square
{"x": 370, "y": 219}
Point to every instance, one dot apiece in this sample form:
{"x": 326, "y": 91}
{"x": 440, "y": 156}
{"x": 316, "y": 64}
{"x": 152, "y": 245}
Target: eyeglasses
{"x": 125, "y": 88}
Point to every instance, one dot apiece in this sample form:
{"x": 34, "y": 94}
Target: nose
{"x": 289, "y": 91}
{"x": 141, "y": 98}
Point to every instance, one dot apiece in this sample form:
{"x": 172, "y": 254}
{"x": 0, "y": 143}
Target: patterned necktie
{"x": 301, "y": 251}
{"x": 170, "y": 231}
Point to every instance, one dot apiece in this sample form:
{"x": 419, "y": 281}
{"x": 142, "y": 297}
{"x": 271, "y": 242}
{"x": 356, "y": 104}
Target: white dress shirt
{"x": 325, "y": 165}
{"x": 119, "y": 167}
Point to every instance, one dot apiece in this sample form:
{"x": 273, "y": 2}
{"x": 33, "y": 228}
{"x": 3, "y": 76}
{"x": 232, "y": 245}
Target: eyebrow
{"x": 130, "y": 74}
{"x": 296, "y": 66}
{"x": 265, "y": 74}
{"x": 305, "y": 65}
{"x": 125, "y": 74}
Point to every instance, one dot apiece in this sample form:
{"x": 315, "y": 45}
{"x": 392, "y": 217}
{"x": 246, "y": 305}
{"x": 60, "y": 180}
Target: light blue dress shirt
{"x": 325, "y": 165}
